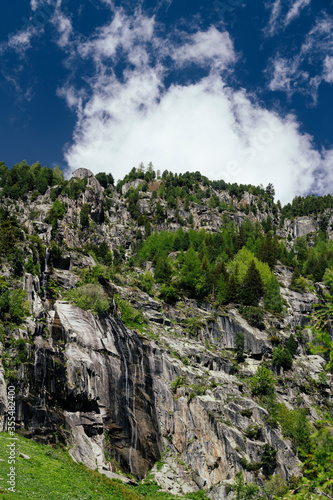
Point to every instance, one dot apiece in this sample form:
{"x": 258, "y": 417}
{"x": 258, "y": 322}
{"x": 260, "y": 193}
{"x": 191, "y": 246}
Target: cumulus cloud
{"x": 204, "y": 125}
{"x": 123, "y": 33}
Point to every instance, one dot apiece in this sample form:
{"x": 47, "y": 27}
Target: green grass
{"x": 51, "y": 474}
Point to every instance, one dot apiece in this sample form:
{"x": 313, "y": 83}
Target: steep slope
{"x": 133, "y": 368}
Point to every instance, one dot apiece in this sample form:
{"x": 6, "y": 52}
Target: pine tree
{"x": 233, "y": 289}
{"x": 239, "y": 345}
{"x": 190, "y": 273}
{"x": 291, "y": 345}
{"x": 273, "y": 300}
{"x": 252, "y": 288}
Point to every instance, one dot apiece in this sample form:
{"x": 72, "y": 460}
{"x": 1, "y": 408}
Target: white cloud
{"x": 328, "y": 69}
{"x": 287, "y": 76}
{"x": 63, "y": 26}
{"x": 282, "y": 15}
{"x": 19, "y": 42}
{"x": 33, "y": 5}
{"x": 121, "y": 33}
{"x": 304, "y": 70}
{"x": 295, "y": 10}
{"x": 205, "y": 48}
{"x": 205, "y": 125}
{"x": 274, "y": 17}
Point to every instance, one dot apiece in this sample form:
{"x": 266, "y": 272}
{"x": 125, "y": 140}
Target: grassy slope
{"x": 51, "y": 474}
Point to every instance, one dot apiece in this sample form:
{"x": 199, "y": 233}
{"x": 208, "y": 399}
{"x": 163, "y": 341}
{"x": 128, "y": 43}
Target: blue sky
{"x": 240, "y": 90}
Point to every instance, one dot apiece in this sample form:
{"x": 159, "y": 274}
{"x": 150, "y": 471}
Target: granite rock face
{"x": 173, "y": 385}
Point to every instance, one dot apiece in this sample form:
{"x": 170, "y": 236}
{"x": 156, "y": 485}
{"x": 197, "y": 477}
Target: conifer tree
{"x": 291, "y": 345}
{"x": 252, "y": 287}
{"x": 272, "y": 299}
{"x": 233, "y": 287}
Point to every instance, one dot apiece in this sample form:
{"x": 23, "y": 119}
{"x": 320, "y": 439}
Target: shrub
{"x": 55, "y": 213}
{"x": 272, "y": 299}
{"x": 130, "y": 316}
{"x": 268, "y": 458}
{"x": 169, "y": 294}
{"x": 253, "y": 431}
{"x": 84, "y": 215}
{"x": 282, "y": 357}
{"x": 291, "y": 345}
{"x": 90, "y": 297}
{"x": 239, "y": 345}
{"x": 242, "y": 490}
{"x": 177, "y": 383}
{"x": 254, "y": 316}
{"x": 276, "y": 486}
{"x": 295, "y": 426}
{"x": 262, "y": 383}
{"x": 14, "y": 306}
{"x": 246, "y": 413}
{"x": 147, "y": 283}
{"x": 30, "y": 267}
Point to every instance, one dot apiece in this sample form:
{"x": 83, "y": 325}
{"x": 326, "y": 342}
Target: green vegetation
{"x": 55, "y": 213}
{"x": 14, "y": 307}
{"x": 90, "y": 297}
{"x": 239, "y": 346}
{"x": 282, "y": 357}
{"x": 263, "y": 382}
{"x": 213, "y": 266}
{"x": 130, "y": 316}
{"x": 19, "y": 180}
{"x": 234, "y": 265}
{"x": 84, "y": 215}
{"x": 51, "y": 474}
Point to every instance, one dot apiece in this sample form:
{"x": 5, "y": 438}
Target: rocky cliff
{"x": 167, "y": 389}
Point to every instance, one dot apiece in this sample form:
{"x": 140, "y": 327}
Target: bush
{"x": 282, "y": 357}
{"x": 242, "y": 490}
{"x": 14, "y": 306}
{"x": 239, "y": 345}
{"x": 262, "y": 383}
{"x": 268, "y": 458}
{"x": 295, "y": 426}
{"x": 130, "y": 316}
{"x": 147, "y": 283}
{"x": 291, "y": 345}
{"x": 84, "y": 215}
{"x": 169, "y": 294}
{"x": 176, "y": 383}
{"x": 254, "y": 316}
{"x": 276, "y": 486}
{"x": 253, "y": 431}
{"x": 30, "y": 267}
{"x": 272, "y": 299}
{"x": 90, "y": 297}
{"x": 55, "y": 213}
